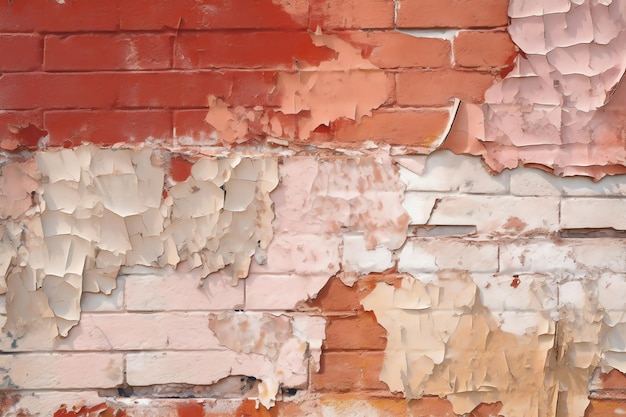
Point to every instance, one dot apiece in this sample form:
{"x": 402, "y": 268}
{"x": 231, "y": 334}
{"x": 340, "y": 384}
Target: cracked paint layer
{"x": 561, "y": 106}
{"x": 277, "y": 348}
{"x": 313, "y": 96}
{"x": 77, "y": 216}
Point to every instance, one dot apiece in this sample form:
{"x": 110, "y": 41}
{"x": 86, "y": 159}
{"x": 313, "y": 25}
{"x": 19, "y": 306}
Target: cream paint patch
{"x": 78, "y": 216}
{"x": 278, "y": 347}
{"x": 531, "y": 341}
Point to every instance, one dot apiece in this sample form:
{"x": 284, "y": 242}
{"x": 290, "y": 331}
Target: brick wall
{"x": 215, "y": 208}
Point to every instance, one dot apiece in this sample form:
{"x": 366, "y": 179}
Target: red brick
{"x": 349, "y": 371}
{"x": 180, "y": 168}
{"x": 484, "y": 49}
{"x": 247, "y": 50}
{"x": 391, "y": 49}
{"x": 52, "y": 16}
{"x": 192, "y": 123}
{"x": 606, "y": 408}
{"x": 351, "y": 14}
{"x": 191, "y": 89}
{"x": 21, "y": 127}
{"x": 438, "y": 88}
{"x": 108, "y": 52}
{"x": 58, "y": 91}
{"x": 338, "y": 297}
{"x": 70, "y": 128}
{"x": 395, "y": 127}
{"x": 360, "y": 332}
{"x": 452, "y": 13}
{"x": 220, "y": 14}
{"x": 20, "y": 52}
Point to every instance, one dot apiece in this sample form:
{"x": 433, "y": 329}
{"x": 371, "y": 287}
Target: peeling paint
{"x": 76, "y": 217}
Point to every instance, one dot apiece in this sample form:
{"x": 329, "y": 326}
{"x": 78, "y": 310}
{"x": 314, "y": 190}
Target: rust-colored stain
{"x": 515, "y": 223}
{"x": 248, "y": 409}
{"x": 191, "y": 409}
{"x": 515, "y": 282}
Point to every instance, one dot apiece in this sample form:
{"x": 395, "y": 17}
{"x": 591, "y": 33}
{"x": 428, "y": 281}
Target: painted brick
{"x": 575, "y": 256}
{"x": 392, "y": 49}
{"x": 583, "y": 213}
{"x": 419, "y": 206}
{"x": 108, "y": 52}
{"x": 182, "y": 292}
{"x": 301, "y": 254}
{"x": 104, "y": 302}
{"x": 360, "y": 332}
{"x": 351, "y": 14}
{"x": 106, "y": 127}
{"x": 62, "y": 371}
{"x": 355, "y": 257}
{"x": 438, "y": 88}
{"x": 198, "y": 368}
{"x": 230, "y": 14}
{"x": 3, "y": 304}
{"x": 349, "y": 371}
{"x": 452, "y": 13}
{"x": 527, "y": 181}
{"x": 498, "y": 215}
{"x": 282, "y": 50}
{"x": 445, "y": 171}
{"x": 483, "y": 49}
{"x": 281, "y": 292}
{"x": 430, "y": 255}
{"x": 395, "y": 127}
{"x": 135, "y": 331}
{"x": 52, "y": 16}
{"x": 20, "y": 52}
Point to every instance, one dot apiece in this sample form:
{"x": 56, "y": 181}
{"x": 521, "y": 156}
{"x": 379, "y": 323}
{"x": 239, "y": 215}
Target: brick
{"x": 283, "y": 50}
{"x": 445, "y": 171}
{"x": 180, "y": 292}
{"x": 20, "y": 52}
{"x": 191, "y": 89}
{"x": 39, "y": 90}
{"x": 134, "y": 331}
{"x": 534, "y": 182}
{"x": 108, "y": 52}
{"x": 281, "y": 292}
{"x": 23, "y": 127}
{"x": 395, "y": 127}
{"x": 496, "y": 215}
{"x": 452, "y": 13}
{"x": 226, "y": 14}
{"x": 484, "y": 49}
{"x": 392, "y": 49}
{"x": 302, "y": 254}
{"x": 104, "y": 302}
{"x": 52, "y": 16}
{"x": 338, "y": 297}
{"x": 61, "y": 371}
{"x": 580, "y": 213}
{"x": 438, "y": 88}
{"x": 192, "y": 124}
{"x": 360, "y": 332}
{"x": 432, "y": 254}
{"x": 70, "y": 128}
{"x": 349, "y": 371}
{"x": 571, "y": 255}
{"x": 351, "y": 14}
{"x": 198, "y": 368}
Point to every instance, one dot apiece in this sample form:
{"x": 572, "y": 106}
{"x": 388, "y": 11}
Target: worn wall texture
{"x": 312, "y": 207}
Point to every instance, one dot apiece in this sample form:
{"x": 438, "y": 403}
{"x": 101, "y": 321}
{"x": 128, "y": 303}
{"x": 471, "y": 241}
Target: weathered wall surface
{"x": 253, "y": 208}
